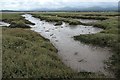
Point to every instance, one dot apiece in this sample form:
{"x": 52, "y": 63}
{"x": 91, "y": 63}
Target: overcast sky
{"x": 38, "y": 4}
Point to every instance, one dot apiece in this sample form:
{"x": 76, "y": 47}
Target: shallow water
{"x": 4, "y": 24}
{"x": 78, "y": 56}
{"x": 87, "y": 20}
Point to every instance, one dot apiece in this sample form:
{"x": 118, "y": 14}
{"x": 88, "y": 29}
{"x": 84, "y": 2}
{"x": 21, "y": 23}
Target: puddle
{"x": 87, "y": 20}
{"x": 74, "y": 54}
{"x": 4, "y": 24}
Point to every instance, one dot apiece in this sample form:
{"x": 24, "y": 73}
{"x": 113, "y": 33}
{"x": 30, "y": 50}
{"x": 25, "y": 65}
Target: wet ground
{"x": 78, "y": 56}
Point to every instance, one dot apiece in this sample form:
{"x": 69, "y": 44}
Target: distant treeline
{"x": 62, "y": 11}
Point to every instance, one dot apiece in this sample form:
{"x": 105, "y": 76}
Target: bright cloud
{"x": 37, "y": 4}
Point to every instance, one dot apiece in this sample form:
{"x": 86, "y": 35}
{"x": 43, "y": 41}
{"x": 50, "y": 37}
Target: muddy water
{"x": 74, "y": 54}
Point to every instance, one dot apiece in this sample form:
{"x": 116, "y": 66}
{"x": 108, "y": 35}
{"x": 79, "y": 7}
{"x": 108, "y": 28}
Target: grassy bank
{"x": 72, "y": 16}
{"x": 16, "y": 20}
{"x": 107, "y": 38}
{"x": 55, "y": 18}
{"x": 80, "y": 15}
{"x": 26, "y": 54}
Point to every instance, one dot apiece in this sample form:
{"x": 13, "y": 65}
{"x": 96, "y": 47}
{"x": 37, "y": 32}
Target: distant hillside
{"x": 85, "y": 6}
{"x": 95, "y": 8}
{"x": 8, "y": 11}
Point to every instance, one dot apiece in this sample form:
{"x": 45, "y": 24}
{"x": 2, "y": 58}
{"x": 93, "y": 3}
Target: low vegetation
{"x": 15, "y": 20}
{"x": 58, "y": 23}
{"x": 18, "y": 24}
{"x": 109, "y": 37}
{"x": 72, "y": 16}
{"x": 50, "y": 18}
{"x": 26, "y": 54}
{"x": 81, "y": 15}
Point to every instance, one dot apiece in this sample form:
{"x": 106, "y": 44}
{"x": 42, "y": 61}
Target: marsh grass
{"x": 15, "y": 20}
{"x": 18, "y": 24}
{"x": 58, "y": 23}
{"x": 55, "y": 18}
{"x": 26, "y": 54}
{"x": 79, "y": 15}
{"x": 109, "y": 37}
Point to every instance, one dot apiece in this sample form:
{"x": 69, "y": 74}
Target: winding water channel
{"x": 78, "y": 56}
{"x": 74, "y": 54}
